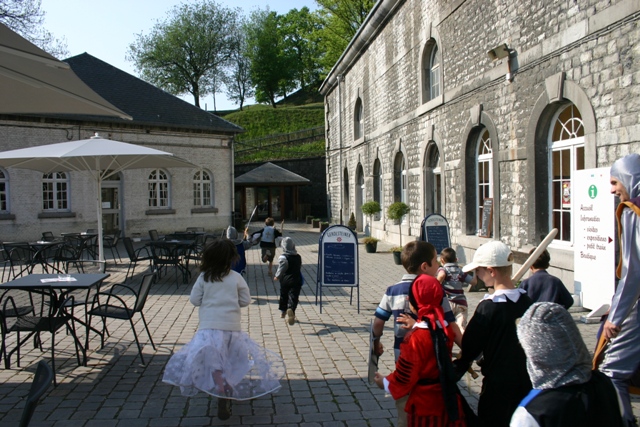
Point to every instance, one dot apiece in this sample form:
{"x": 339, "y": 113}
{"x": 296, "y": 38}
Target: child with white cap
{"x": 492, "y": 333}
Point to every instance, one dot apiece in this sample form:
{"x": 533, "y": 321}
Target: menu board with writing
{"x": 435, "y": 230}
{"x": 337, "y": 260}
{"x": 487, "y": 217}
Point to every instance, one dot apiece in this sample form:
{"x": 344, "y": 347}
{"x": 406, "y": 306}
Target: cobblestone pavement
{"x": 325, "y": 355}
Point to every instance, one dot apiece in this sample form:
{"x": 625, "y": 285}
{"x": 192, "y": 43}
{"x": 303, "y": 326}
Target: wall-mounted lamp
{"x": 500, "y": 52}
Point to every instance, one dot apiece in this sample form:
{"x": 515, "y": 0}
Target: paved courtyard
{"x": 325, "y": 356}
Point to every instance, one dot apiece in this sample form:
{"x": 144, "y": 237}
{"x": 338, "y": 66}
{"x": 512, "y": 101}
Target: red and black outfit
{"x": 420, "y": 370}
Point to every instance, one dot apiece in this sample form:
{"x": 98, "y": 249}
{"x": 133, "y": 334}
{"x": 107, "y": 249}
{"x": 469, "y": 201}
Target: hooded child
{"x": 566, "y": 392}
{"x": 290, "y": 278}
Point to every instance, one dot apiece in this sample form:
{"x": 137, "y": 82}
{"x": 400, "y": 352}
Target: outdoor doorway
{"x": 111, "y": 199}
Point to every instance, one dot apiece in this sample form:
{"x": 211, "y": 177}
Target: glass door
{"x": 111, "y": 204}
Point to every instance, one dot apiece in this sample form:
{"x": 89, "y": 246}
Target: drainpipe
{"x": 340, "y": 81}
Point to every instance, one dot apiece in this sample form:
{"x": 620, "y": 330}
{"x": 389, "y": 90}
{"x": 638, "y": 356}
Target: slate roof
{"x": 270, "y": 174}
{"x": 147, "y": 104}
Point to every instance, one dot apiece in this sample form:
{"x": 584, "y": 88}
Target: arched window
{"x": 377, "y": 185}
{"x": 431, "y": 72}
{"x": 55, "y": 191}
{"x": 4, "y": 191}
{"x": 566, "y": 155}
{"x": 484, "y": 178}
{"x": 203, "y": 195}
{"x": 432, "y": 180}
{"x": 159, "y": 189}
{"x": 400, "y": 179}
{"x": 358, "y": 120}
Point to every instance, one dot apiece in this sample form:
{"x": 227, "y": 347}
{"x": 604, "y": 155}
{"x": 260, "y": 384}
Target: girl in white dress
{"x": 221, "y": 359}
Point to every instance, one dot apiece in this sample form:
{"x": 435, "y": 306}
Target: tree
{"x": 26, "y": 18}
{"x": 342, "y": 19}
{"x": 300, "y": 31}
{"x": 187, "y": 52}
{"x": 237, "y": 79}
{"x": 271, "y": 67}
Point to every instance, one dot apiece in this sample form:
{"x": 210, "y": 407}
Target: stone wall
{"x": 24, "y": 220}
{"x": 582, "y": 52}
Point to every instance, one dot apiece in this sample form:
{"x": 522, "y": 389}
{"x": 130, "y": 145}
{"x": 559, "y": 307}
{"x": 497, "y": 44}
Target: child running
{"x": 290, "y": 278}
{"x": 221, "y": 359}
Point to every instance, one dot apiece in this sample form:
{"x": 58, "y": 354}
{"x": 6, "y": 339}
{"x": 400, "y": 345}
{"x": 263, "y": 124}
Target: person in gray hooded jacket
{"x": 622, "y": 326}
{"x": 290, "y": 278}
{"x": 566, "y": 392}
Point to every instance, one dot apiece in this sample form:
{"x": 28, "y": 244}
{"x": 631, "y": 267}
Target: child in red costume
{"x": 422, "y": 370}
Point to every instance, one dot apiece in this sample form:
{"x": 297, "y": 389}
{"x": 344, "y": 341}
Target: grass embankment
{"x": 261, "y": 121}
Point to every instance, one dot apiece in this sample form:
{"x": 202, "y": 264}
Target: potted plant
{"x": 315, "y": 222}
{"x": 370, "y": 209}
{"x": 370, "y": 244}
{"x": 309, "y": 218}
{"x": 323, "y": 226}
{"x": 352, "y": 222}
{"x": 396, "y": 211}
{"x": 396, "y": 251}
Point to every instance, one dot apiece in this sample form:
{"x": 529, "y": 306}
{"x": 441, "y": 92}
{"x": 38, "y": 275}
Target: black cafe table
{"x": 59, "y": 285}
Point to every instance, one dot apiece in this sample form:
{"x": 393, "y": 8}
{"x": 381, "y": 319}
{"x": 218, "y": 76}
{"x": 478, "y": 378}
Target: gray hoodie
{"x": 288, "y": 248}
{"x": 556, "y": 354}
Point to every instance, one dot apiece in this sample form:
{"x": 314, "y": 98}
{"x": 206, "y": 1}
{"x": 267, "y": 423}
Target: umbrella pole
{"x": 99, "y": 210}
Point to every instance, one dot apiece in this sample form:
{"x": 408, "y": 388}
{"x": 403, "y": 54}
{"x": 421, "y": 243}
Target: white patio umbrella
{"x": 34, "y": 82}
{"x": 101, "y": 157}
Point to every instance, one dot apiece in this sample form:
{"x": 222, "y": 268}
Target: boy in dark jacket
{"x": 542, "y": 286}
{"x": 290, "y": 278}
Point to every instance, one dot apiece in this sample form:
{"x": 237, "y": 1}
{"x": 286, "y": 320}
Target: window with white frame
{"x": 203, "y": 189}
{"x": 159, "y": 189}
{"x": 4, "y": 191}
{"x": 400, "y": 179}
{"x": 431, "y": 72}
{"x": 358, "y": 120}
{"x": 432, "y": 180}
{"x": 377, "y": 185}
{"x": 55, "y": 191}
{"x": 484, "y": 176}
{"x": 566, "y": 155}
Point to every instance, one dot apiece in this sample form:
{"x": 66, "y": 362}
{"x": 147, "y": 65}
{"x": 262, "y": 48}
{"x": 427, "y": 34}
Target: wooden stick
{"x": 534, "y": 256}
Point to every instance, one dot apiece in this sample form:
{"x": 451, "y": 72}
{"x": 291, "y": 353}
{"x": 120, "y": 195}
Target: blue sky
{"x": 105, "y": 29}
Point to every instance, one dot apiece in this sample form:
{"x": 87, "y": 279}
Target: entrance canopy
{"x": 270, "y": 174}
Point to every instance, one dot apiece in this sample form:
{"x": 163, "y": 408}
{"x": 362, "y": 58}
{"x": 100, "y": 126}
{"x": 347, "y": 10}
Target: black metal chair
{"x": 153, "y": 235}
{"x": 53, "y": 314}
{"x": 20, "y": 257}
{"x": 69, "y": 250}
{"x": 41, "y": 382}
{"x": 109, "y": 305}
{"x": 167, "y": 254}
{"x": 135, "y": 256}
{"x": 110, "y": 241}
{"x": 48, "y": 236}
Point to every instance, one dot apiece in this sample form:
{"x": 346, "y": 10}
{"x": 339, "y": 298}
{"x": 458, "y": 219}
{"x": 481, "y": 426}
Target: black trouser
{"x": 289, "y": 294}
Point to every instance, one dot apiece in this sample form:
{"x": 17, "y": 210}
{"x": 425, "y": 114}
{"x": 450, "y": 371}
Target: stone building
{"x": 443, "y": 104}
{"x": 133, "y": 201}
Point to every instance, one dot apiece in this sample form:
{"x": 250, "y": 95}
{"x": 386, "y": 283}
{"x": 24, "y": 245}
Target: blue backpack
{"x": 240, "y": 265}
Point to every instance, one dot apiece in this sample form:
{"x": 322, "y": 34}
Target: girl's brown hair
{"x": 217, "y": 258}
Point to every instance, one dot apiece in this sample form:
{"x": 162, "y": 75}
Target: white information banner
{"x": 594, "y": 238}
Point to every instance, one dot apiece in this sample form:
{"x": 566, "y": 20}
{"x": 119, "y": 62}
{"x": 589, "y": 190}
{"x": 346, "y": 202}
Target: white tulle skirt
{"x": 249, "y": 370}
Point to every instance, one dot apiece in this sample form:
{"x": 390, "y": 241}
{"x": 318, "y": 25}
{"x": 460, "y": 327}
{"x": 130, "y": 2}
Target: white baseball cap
{"x": 492, "y": 254}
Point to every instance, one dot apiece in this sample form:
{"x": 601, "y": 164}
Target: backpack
{"x": 241, "y": 264}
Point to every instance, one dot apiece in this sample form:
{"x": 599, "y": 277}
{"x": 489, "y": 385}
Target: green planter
{"x": 397, "y": 258}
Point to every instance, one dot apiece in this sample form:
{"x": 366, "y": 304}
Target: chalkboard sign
{"x": 487, "y": 218}
{"x": 337, "y": 261}
{"x": 435, "y": 230}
